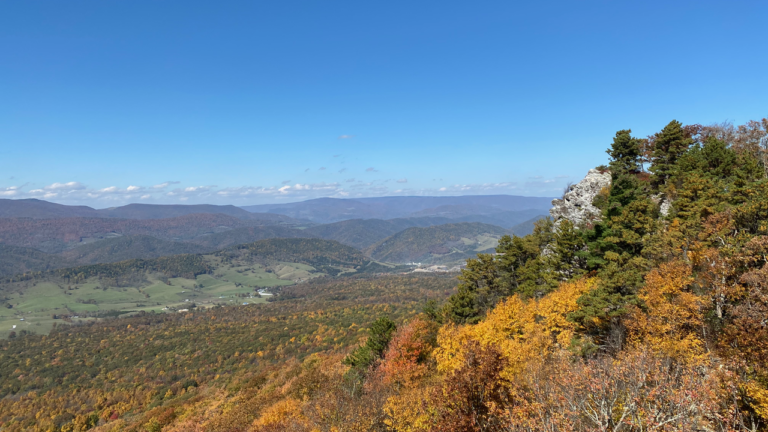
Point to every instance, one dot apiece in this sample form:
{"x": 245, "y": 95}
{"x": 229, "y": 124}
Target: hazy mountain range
{"x": 326, "y": 210}
{"x": 39, "y": 235}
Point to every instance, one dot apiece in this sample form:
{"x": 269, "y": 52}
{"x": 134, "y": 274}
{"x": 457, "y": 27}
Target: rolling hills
{"x": 16, "y": 260}
{"x": 227, "y": 276}
{"x": 507, "y": 219}
{"x": 437, "y": 244}
{"x": 40, "y": 244}
{"x": 330, "y": 256}
{"x": 128, "y": 247}
{"x": 58, "y": 235}
{"x": 362, "y": 233}
{"x": 223, "y": 239}
{"x": 51, "y": 236}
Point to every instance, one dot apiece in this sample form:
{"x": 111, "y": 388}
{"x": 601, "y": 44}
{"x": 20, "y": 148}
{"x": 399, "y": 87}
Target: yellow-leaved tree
{"x": 522, "y": 331}
{"x": 671, "y": 317}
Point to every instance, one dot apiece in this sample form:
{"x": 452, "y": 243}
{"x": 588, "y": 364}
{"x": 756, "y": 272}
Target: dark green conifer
{"x": 625, "y": 154}
{"x": 379, "y": 335}
{"x": 719, "y": 160}
{"x": 462, "y": 307}
{"x": 669, "y": 145}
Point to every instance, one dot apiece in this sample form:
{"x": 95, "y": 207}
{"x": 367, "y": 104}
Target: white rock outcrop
{"x": 664, "y": 204}
{"x": 576, "y": 205}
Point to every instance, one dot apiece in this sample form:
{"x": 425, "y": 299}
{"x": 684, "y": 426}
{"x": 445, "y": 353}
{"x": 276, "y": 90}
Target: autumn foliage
{"x": 651, "y": 317}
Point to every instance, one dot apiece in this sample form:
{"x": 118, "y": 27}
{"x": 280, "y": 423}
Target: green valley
{"x": 35, "y": 302}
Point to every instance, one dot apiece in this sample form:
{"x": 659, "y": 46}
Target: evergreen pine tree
{"x": 379, "y": 335}
{"x": 719, "y": 159}
{"x": 462, "y": 307}
{"x": 669, "y": 145}
{"x": 625, "y": 154}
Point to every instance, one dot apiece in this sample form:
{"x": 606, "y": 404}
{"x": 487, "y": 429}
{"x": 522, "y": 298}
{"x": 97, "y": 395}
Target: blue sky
{"x": 108, "y": 102}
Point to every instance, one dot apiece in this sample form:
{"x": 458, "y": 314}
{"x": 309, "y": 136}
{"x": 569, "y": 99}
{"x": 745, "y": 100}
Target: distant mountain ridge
{"x": 38, "y": 235}
{"x": 58, "y": 235}
{"x": 39, "y": 209}
{"x": 329, "y": 210}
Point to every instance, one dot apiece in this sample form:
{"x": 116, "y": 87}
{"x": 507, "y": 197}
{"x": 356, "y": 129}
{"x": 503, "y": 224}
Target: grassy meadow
{"x": 37, "y": 306}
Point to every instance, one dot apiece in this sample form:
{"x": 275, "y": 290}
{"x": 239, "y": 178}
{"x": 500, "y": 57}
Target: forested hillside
{"x": 224, "y": 239}
{"x": 362, "y": 233}
{"x": 129, "y": 247}
{"x": 37, "y": 300}
{"x": 16, "y": 260}
{"x": 648, "y": 315}
{"x": 330, "y": 256}
{"x": 73, "y": 241}
{"x": 146, "y": 372}
{"x": 437, "y": 244}
{"x": 57, "y": 235}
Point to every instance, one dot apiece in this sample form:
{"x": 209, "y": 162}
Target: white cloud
{"x": 346, "y": 136}
{"x": 165, "y": 184}
{"x": 65, "y": 186}
{"x": 10, "y": 191}
{"x": 76, "y": 193}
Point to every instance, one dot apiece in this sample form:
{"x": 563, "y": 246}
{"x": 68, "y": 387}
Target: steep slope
{"x": 16, "y": 260}
{"x": 437, "y": 244}
{"x": 129, "y": 247}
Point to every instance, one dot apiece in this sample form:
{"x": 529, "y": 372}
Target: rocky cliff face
{"x": 576, "y": 205}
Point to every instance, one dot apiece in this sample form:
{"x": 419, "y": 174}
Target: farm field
{"x": 40, "y": 305}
